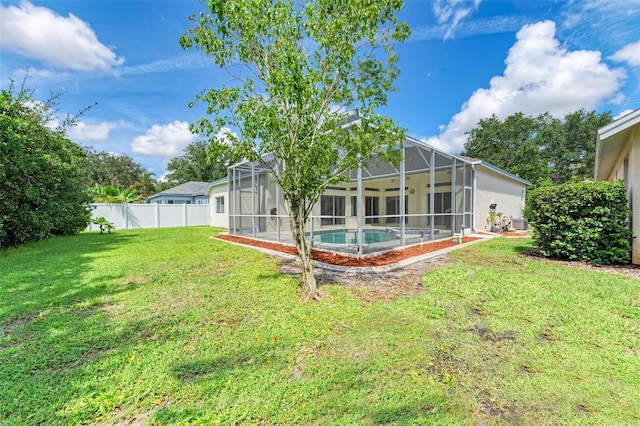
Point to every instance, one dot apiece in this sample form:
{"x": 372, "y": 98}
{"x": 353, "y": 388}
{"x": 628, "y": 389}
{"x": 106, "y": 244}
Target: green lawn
{"x": 172, "y": 327}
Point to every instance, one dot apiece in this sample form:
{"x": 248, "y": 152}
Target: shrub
{"x": 42, "y": 173}
{"x": 581, "y": 221}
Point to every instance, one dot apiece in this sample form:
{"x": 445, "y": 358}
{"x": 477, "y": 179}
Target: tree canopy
{"x": 110, "y": 169}
{"x": 43, "y": 179}
{"x": 540, "y": 149}
{"x": 197, "y": 164}
{"x": 299, "y": 68}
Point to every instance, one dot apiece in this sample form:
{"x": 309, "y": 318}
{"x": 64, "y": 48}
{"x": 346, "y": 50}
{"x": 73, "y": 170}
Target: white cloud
{"x": 450, "y": 12}
{"x": 164, "y": 141}
{"x": 88, "y": 132}
{"x": 225, "y": 136}
{"x": 182, "y": 62}
{"x": 629, "y": 54}
{"x": 62, "y": 42}
{"x": 540, "y": 76}
{"x": 493, "y": 25}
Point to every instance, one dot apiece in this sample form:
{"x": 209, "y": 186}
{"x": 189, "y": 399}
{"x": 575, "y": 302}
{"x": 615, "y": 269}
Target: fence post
{"x": 184, "y": 214}
{"x": 157, "y": 215}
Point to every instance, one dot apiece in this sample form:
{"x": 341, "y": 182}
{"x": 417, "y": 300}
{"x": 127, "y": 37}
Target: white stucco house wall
{"x": 618, "y": 158}
{"x": 496, "y": 186}
{"x": 218, "y": 193}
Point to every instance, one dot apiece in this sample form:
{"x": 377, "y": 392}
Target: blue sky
{"x": 464, "y": 61}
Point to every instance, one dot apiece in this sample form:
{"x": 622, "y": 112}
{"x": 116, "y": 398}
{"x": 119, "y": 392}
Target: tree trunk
{"x": 309, "y": 287}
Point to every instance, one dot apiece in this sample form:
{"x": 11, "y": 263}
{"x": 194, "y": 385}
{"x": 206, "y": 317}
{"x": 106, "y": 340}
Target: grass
{"x": 171, "y": 327}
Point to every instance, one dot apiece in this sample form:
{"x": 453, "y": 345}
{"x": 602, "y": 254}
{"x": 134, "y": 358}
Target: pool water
{"x": 343, "y": 236}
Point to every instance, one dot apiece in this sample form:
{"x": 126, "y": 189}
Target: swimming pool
{"x": 349, "y": 236}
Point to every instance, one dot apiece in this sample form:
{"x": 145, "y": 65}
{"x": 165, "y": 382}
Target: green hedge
{"x": 581, "y": 221}
{"x": 43, "y": 179}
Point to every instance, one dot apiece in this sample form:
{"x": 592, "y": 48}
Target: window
{"x": 371, "y": 208}
{"x": 219, "y": 204}
{"x": 332, "y": 206}
{"x": 442, "y": 204}
{"x": 393, "y": 208}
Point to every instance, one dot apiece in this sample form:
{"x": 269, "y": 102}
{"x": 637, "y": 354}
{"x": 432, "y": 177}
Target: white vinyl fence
{"x": 136, "y": 216}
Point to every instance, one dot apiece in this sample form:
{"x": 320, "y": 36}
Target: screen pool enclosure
{"x": 428, "y": 196}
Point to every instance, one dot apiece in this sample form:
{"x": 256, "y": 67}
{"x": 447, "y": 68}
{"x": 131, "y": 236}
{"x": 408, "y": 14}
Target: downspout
{"x": 253, "y": 198}
{"x": 432, "y": 186}
{"x": 402, "y": 198}
{"x": 359, "y": 211}
{"x": 277, "y": 206}
{"x": 453, "y": 200}
{"x": 473, "y": 198}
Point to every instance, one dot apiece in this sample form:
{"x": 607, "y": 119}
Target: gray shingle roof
{"x": 189, "y": 188}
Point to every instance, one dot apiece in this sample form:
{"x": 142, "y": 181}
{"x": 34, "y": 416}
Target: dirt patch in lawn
{"x": 366, "y": 286}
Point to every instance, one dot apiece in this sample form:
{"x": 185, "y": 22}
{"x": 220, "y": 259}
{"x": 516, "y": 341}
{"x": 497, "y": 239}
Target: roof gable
{"x": 610, "y": 142}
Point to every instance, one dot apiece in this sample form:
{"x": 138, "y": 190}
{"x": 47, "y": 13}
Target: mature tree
{"x": 539, "y": 149}
{"x": 163, "y": 185}
{"x": 298, "y": 67}
{"x": 509, "y": 144}
{"x": 196, "y": 164}
{"x": 573, "y": 154}
{"x": 110, "y": 169}
{"x": 43, "y": 188}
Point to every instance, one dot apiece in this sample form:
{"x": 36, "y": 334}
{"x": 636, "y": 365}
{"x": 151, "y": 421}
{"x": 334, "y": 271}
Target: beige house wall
{"x": 492, "y": 187}
{"x": 618, "y": 158}
{"x": 219, "y": 220}
{"x": 627, "y": 169}
{"x": 634, "y": 199}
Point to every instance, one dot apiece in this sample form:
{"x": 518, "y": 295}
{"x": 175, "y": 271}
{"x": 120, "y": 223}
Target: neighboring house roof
{"x": 189, "y": 189}
{"x": 610, "y": 143}
{"x": 496, "y": 169}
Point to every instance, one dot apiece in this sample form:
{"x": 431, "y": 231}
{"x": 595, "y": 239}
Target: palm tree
{"x": 146, "y": 184}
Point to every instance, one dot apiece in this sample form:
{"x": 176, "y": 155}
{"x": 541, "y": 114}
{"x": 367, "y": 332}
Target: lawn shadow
{"x": 407, "y": 414}
{"x": 54, "y": 321}
{"x": 524, "y": 249}
{"x": 223, "y": 365}
{"x": 55, "y": 276}
{"x": 198, "y": 369}
{"x": 54, "y": 358}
